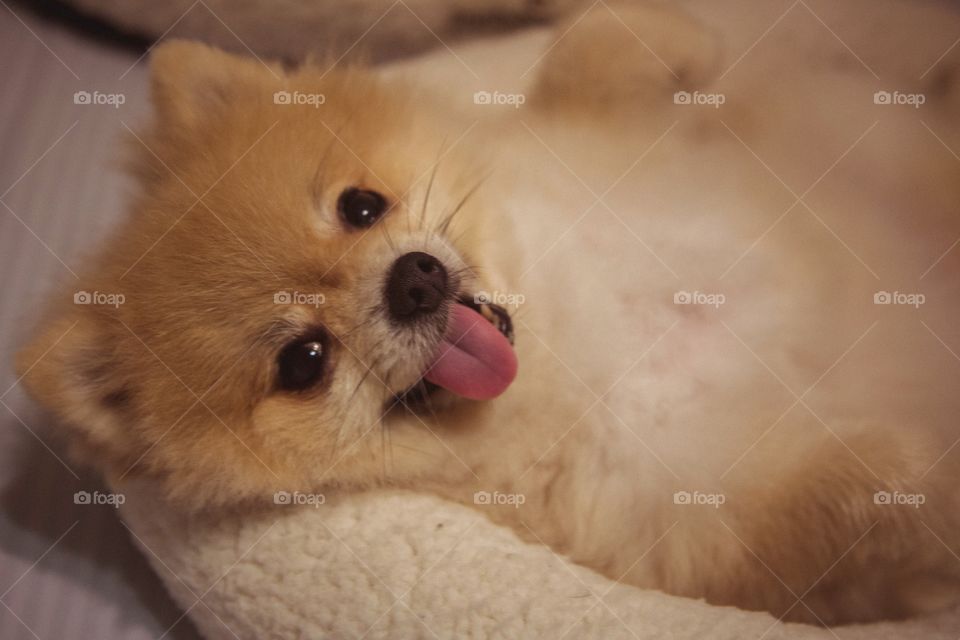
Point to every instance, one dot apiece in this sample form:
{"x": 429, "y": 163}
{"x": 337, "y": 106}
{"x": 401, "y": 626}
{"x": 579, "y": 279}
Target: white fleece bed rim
{"x": 398, "y": 564}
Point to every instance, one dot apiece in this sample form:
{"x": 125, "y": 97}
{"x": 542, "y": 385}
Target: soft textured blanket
{"x": 393, "y": 564}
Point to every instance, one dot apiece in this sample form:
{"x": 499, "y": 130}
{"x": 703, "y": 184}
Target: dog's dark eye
{"x": 361, "y": 208}
{"x": 301, "y": 364}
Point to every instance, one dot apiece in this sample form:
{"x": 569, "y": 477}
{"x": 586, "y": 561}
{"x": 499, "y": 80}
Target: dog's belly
{"x": 701, "y": 336}
{"x": 704, "y": 299}
{"x": 746, "y": 303}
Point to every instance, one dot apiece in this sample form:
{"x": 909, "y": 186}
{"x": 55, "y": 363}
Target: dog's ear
{"x": 190, "y": 80}
{"x": 69, "y": 368}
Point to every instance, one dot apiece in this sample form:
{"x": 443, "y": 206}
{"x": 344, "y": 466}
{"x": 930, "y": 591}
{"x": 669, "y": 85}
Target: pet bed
{"x": 394, "y": 564}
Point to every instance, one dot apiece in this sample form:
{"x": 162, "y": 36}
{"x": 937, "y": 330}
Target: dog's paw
{"x": 624, "y": 54}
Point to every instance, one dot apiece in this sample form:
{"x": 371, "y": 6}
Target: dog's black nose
{"x": 416, "y": 286}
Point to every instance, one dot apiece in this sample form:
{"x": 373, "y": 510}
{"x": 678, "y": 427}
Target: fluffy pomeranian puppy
{"x": 603, "y": 318}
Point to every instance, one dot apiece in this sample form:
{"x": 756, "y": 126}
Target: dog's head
{"x": 301, "y": 265}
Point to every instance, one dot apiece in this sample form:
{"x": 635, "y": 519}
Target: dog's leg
{"x": 851, "y": 530}
{"x": 618, "y": 56}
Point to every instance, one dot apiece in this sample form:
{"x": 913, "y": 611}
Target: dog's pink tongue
{"x": 474, "y": 360}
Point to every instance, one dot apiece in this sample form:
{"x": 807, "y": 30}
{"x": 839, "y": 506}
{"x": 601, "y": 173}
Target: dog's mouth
{"x": 475, "y": 358}
{"x": 497, "y": 315}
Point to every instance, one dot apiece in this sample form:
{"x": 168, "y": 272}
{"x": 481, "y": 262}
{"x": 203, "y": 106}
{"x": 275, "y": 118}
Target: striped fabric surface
{"x": 67, "y": 571}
